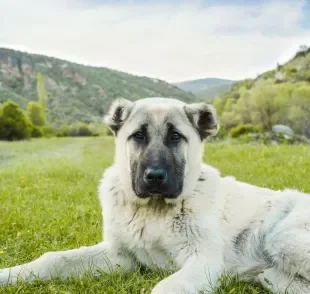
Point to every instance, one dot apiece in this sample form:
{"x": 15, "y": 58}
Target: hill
{"x": 213, "y": 91}
{"x": 279, "y": 96}
{"x": 75, "y": 92}
{"x": 196, "y": 86}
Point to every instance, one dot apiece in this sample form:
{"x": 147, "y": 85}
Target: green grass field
{"x": 48, "y": 201}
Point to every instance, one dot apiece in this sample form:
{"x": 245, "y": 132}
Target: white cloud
{"x": 171, "y": 41}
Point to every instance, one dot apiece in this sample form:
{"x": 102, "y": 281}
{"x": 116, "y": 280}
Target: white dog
{"x": 163, "y": 208}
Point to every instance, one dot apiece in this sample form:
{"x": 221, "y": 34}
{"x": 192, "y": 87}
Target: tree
{"x": 36, "y": 114}
{"x": 41, "y": 91}
{"x": 14, "y": 125}
{"x": 219, "y": 105}
{"x": 300, "y": 110}
{"x": 243, "y": 108}
{"x": 266, "y": 106}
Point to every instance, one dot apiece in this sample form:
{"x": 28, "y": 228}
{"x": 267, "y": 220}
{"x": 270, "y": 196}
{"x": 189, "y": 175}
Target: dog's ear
{"x": 204, "y": 119}
{"x": 118, "y": 113}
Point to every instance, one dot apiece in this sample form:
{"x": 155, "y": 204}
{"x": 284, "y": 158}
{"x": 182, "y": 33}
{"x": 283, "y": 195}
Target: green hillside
{"x": 75, "y": 92}
{"x": 279, "y": 96}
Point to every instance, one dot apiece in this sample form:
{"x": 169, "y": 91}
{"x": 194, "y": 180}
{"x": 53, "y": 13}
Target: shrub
{"x": 235, "y": 95}
{"x": 72, "y": 131}
{"x": 36, "y": 132}
{"x": 48, "y": 131}
{"x": 75, "y": 130}
{"x": 14, "y": 125}
{"x": 291, "y": 70}
{"x": 243, "y": 129}
{"x": 84, "y": 131}
{"x": 278, "y": 81}
{"x": 63, "y": 131}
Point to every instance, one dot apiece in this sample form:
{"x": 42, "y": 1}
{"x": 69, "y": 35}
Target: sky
{"x": 174, "y": 40}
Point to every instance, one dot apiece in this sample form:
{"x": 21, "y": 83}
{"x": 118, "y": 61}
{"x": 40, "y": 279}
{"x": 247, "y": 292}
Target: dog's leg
{"x": 63, "y": 264}
{"x": 290, "y": 252}
{"x": 288, "y": 246}
{"x": 198, "y": 273}
{"x": 279, "y": 282}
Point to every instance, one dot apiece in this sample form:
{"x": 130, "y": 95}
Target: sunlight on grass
{"x": 48, "y": 201}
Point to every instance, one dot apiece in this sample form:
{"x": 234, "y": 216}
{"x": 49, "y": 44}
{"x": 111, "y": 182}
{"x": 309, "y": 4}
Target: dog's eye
{"x": 139, "y": 136}
{"x": 175, "y": 137}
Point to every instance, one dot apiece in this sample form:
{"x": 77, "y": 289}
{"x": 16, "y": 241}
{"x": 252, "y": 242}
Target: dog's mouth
{"x": 156, "y": 194}
{"x": 156, "y": 191}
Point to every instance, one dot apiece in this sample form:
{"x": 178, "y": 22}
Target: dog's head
{"x": 159, "y": 144}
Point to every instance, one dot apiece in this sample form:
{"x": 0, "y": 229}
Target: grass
{"x": 48, "y": 201}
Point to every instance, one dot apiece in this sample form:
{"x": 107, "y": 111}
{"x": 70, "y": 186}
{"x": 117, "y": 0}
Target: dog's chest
{"x": 155, "y": 237}
{"x": 143, "y": 229}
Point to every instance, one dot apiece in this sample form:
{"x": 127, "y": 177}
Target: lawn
{"x": 48, "y": 201}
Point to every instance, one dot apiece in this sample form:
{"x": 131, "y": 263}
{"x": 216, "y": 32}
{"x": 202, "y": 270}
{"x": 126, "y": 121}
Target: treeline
{"x": 16, "y": 124}
{"x": 265, "y": 105}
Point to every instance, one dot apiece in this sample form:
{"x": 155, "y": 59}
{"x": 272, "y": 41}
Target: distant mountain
{"x": 196, "y": 86}
{"x": 213, "y": 91}
{"x": 75, "y": 92}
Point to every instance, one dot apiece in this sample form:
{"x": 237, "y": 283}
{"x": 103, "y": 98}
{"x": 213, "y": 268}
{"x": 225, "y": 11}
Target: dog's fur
{"x": 195, "y": 221}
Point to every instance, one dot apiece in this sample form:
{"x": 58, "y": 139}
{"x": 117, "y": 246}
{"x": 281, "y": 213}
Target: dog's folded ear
{"x": 118, "y": 113}
{"x": 204, "y": 119}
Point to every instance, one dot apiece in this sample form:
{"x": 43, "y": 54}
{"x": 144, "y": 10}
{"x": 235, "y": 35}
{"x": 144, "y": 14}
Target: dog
{"x": 164, "y": 208}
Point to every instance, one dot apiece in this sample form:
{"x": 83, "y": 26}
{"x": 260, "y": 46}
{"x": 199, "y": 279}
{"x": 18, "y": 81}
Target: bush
{"x": 36, "y": 132}
{"x": 84, "y": 131}
{"x": 291, "y": 70}
{"x": 14, "y": 125}
{"x": 63, "y": 131}
{"x": 235, "y": 95}
{"x": 72, "y": 131}
{"x": 48, "y": 131}
{"x": 243, "y": 130}
{"x": 75, "y": 130}
{"x": 278, "y": 81}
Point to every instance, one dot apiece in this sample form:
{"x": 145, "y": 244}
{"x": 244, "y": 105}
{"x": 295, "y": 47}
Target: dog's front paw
{"x": 169, "y": 286}
{"x": 5, "y": 276}
{"x": 10, "y": 275}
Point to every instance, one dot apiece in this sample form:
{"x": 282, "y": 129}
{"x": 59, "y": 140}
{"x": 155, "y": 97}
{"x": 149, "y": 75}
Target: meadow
{"x": 48, "y": 201}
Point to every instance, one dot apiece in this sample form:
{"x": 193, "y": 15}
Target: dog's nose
{"x": 154, "y": 176}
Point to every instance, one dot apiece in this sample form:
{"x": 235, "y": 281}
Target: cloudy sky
{"x": 169, "y": 39}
